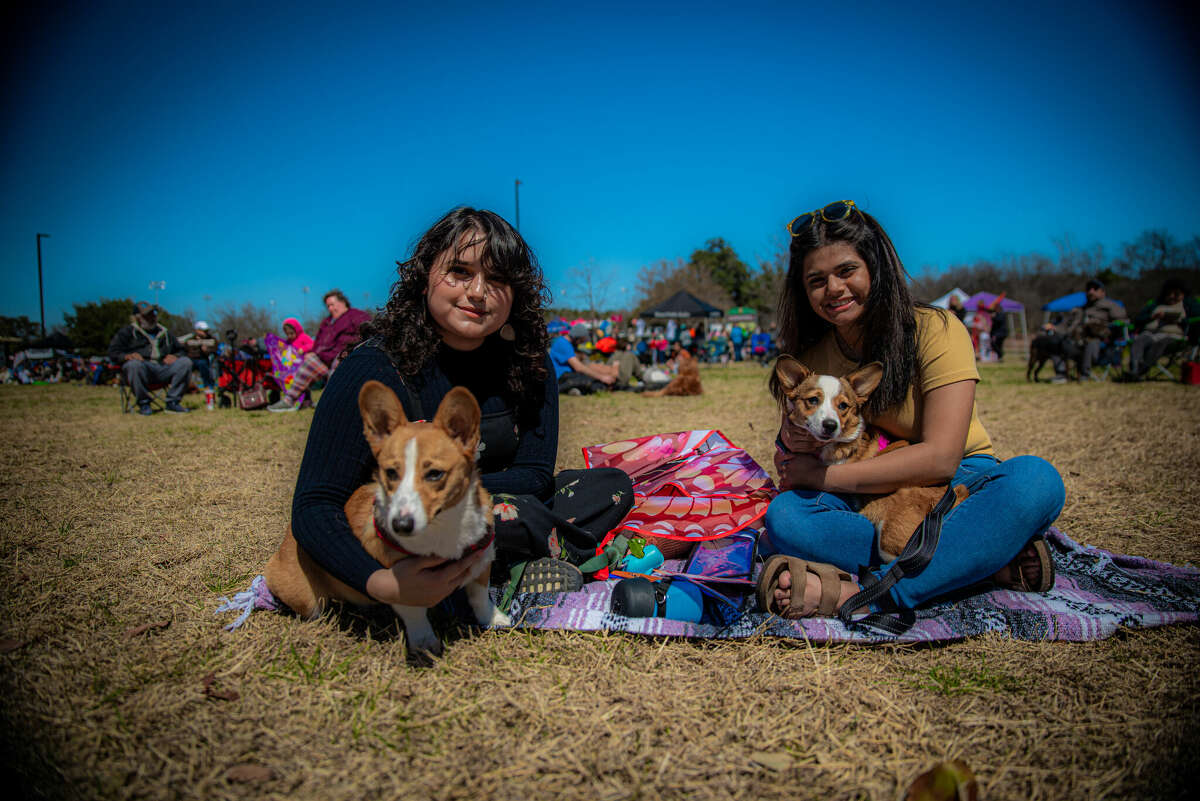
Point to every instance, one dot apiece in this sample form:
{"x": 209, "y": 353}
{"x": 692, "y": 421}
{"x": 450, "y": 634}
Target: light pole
{"x": 41, "y": 303}
{"x": 305, "y": 291}
{"x": 517, "y": 199}
{"x": 157, "y": 285}
{"x": 207, "y": 298}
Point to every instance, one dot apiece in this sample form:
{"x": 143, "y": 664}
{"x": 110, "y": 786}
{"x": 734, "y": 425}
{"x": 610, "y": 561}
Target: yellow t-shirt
{"x": 946, "y": 356}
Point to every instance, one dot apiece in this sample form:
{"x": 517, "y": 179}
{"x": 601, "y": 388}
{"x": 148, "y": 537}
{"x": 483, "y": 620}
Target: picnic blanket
{"x": 285, "y": 359}
{"x": 699, "y": 485}
{"x": 1096, "y": 593}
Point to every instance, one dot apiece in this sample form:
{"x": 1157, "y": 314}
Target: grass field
{"x": 120, "y": 533}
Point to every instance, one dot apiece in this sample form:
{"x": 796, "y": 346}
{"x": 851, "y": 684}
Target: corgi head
{"x": 424, "y": 469}
{"x": 829, "y": 407}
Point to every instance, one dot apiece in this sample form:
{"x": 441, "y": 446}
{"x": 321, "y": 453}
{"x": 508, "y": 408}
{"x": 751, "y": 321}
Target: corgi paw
{"x": 498, "y": 620}
{"x": 431, "y": 646}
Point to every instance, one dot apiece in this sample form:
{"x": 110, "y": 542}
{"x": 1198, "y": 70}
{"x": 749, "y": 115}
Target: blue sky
{"x": 246, "y": 150}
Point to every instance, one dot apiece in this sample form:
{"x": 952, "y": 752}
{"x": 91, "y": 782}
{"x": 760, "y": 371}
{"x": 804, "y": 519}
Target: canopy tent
{"x": 944, "y": 301}
{"x": 1068, "y": 302}
{"x": 682, "y": 304}
{"x": 1007, "y": 305}
{"x": 741, "y": 314}
{"x": 40, "y": 354}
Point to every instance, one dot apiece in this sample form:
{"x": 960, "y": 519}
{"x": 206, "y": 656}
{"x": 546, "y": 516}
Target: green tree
{"x": 94, "y": 324}
{"x": 719, "y": 260}
{"x": 21, "y": 328}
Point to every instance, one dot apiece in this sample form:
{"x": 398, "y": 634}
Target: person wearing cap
{"x": 576, "y": 376}
{"x": 147, "y": 352}
{"x": 201, "y": 345}
{"x": 1091, "y": 324}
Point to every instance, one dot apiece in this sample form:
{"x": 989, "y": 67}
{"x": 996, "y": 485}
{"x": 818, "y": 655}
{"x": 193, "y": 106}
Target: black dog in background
{"x": 1046, "y": 346}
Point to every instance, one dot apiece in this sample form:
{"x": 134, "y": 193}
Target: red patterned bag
{"x": 689, "y": 487}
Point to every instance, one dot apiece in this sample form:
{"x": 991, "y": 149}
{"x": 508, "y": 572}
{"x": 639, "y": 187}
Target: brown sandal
{"x": 1031, "y": 570}
{"x": 830, "y": 578}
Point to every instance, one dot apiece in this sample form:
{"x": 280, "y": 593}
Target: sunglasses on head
{"x": 838, "y": 210}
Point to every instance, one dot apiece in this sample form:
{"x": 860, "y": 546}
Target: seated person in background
{"x": 201, "y": 345}
{"x": 287, "y": 354}
{"x": 1091, "y": 324}
{"x": 148, "y": 353}
{"x": 1162, "y": 323}
{"x": 628, "y": 366}
{"x": 336, "y": 334}
{"x": 575, "y": 375}
{"x": 294, "y": 332}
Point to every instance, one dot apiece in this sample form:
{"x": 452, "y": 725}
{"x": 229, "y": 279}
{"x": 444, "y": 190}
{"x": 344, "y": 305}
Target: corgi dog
{"x": 830, "y": 409}
{"x": 686, "y": 382}
{"x": 427, "y": 500}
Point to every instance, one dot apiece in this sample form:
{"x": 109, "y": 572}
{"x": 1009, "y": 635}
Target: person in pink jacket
{"x": 296, "y": 337}
{"x": 335, "y": 335}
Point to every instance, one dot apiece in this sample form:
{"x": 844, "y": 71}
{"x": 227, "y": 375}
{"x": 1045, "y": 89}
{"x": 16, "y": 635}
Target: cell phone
{"x": 729, "y": 558}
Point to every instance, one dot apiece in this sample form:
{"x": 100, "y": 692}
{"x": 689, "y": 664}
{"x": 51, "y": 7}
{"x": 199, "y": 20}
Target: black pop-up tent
{"x": 682, "y": 304}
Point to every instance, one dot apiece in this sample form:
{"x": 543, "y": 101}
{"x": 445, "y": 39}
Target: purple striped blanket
{"x": 1095, "y": 594}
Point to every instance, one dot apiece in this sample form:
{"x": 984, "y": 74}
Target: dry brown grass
{"x": 114, "y": 522}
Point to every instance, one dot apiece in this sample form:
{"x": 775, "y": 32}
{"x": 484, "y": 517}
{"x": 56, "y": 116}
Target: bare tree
{"x": 661, "y": 280}
{"x": 587, "y": 285}
{"x": 249, "y": 321}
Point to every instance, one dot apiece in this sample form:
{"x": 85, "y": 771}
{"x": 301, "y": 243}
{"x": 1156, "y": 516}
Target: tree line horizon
{"x": 717, "y": 275}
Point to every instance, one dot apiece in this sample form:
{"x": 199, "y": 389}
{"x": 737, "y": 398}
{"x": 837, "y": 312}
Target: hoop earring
{"x": 507, "y": 333}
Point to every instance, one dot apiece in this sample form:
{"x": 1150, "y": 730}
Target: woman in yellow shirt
{"x": 846, "y": 303}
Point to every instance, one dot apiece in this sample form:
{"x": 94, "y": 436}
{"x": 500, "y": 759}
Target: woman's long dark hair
{"x": 889, "y": 322}
{"x": 408, "y": 331}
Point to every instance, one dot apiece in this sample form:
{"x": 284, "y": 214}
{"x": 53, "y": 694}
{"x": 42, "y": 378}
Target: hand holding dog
{"x": 800, "y": 471}
{"x": 421, "y": 580}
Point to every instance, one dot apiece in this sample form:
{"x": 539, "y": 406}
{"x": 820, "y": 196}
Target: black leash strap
{"x": 916, "y": 556}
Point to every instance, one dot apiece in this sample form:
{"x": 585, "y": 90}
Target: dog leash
{"x": 913, "y": 559}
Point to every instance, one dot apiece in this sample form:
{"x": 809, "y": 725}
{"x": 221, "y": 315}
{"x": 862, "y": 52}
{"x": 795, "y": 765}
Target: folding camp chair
{"x": 1185, "y": 350}
{"x": 156, "y": 391}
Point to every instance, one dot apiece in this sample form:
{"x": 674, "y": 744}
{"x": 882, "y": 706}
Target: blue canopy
{"x": 1068, "y": 302}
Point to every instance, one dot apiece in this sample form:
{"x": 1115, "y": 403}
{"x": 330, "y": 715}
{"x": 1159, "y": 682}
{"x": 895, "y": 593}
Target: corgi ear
{"x": 790, "y": 372}
{"x": 381, "y": 411}
{"x": 865, "y": 379}
{"x": 458, "y": 415}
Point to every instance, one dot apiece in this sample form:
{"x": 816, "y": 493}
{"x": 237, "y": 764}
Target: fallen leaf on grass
{"x": 249, "y": 773}
{"x": 220, "y": 695}
{"x": 772, "y": 761}
{"x": 142, "y": 629}
{"x": 945, "y": 781}
{"x": 9, "y": 645}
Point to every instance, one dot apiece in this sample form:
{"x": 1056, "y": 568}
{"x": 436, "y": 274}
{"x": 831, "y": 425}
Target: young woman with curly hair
{"x": 465, "y": 311}
{"x": 845, "y": 304}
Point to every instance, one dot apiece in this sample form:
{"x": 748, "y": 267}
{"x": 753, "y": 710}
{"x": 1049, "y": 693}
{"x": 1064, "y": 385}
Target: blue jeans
{"x": 1018, "y": 499}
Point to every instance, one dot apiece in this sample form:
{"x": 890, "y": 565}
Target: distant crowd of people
{"x": 594, "y": 358}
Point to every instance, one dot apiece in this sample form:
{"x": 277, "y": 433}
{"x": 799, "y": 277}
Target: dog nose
{"x": 402, "y": 524}
{"x": 829, "y": 426}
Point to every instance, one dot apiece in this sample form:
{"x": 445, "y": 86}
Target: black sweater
{"x": 337, "y": 460}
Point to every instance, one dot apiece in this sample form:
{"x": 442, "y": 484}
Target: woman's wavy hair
{"x": 408, "y": 332}
{"x": 890, "y": 326}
